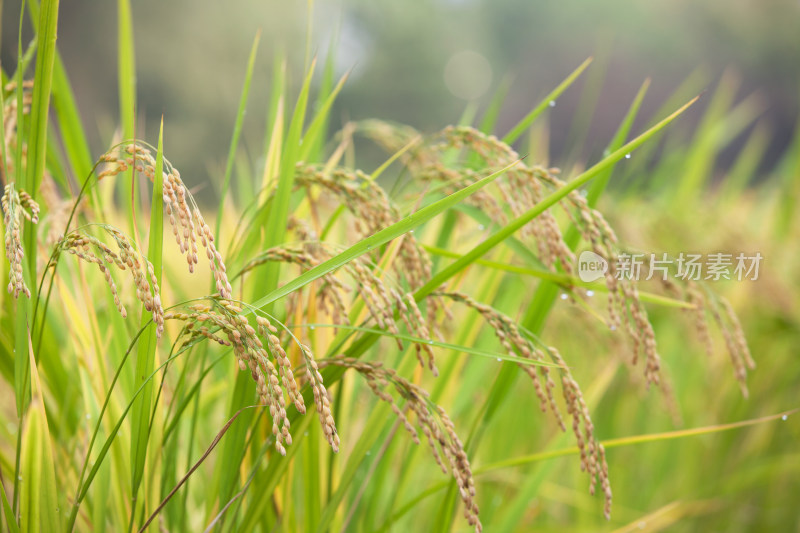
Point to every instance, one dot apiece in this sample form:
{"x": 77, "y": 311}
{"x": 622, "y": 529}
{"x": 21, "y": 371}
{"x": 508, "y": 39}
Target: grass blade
{"x": 523, "y": 125}
{"x": 637, "y": 439}
{"x": 146, "y": 350}
{"x": 237, "y": 131}
{"x": 39, "y": 501}
{"x": 8, "y": 512}
{"x": 126, "y": 78}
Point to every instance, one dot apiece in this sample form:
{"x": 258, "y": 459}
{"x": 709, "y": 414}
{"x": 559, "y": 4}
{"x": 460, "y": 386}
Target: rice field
{"x": 458, "y": 338}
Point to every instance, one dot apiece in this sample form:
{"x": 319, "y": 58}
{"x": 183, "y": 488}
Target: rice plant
{"x": 154, "y": 384}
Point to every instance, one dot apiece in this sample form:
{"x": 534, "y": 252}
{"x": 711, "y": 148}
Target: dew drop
{"x": 310, "y": 327}
{"x": 627, "y": 156}
{"x": 552, "y": 103}
{"x": 784, "y": 417}
{"x": 369, "y": 452}
{"x": 613, "y": 328}
{"x": 19, "y": 478}
{"x": 88, "y": 416}
{"x": 306, "y": 433}
{"x": 606, "y": 153}
{"x": 430, "y": 342}
{"x": 499, "y": 358}
{"x": 481, "y": 227}
{"x": 411, "y": 231}
{"x": 589, "y": 293}
{"x": 564, "y": 296}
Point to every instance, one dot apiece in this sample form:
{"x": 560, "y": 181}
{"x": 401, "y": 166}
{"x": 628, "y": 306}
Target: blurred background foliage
{"x": 191, "y": 57}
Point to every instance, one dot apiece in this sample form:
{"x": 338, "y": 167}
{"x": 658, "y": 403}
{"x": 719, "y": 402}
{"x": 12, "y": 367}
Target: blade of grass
{"x": 146, "y": 353}
{"x": 578, "y": 139}
{"x": 8, "y": 512}
{"x": 40, "y": 508}
{"x": 457, "y": 348}
{"x": 746, "y": 164}
{"x": 599, "y": 185}
{"x": 237, "y": 131}
{"x": 316, "y": 148}
{"x": 493, "y": 110}
{"x": 192, "y": 470}
{"x": 316, "y": 129}
{"x": 637, "y": 439}
{"x": 380, "y": 420}
{"x": 523, "y": 125}
{"x": 126, "y": 79}
{"x": 278, "y": 215}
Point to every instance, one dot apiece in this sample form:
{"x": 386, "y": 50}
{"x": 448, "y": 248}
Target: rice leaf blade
{"x": 146, "y": 349}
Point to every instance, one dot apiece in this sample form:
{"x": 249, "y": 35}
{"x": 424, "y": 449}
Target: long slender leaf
{"x": 126, "y": 79}
{"x": 237, "y": 130}
{"x": 40, "y": 510}
{"x": 146, "y": 353}
{"x": 523, "y": 125}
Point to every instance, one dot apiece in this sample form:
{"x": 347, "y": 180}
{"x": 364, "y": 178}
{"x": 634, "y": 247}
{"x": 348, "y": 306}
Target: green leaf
{"x": 126, "y": 78}
{"x": 146, "y": 350}
{"x": 8, "y": 512}
{"x": 39, "y": 500}
{"x": 523, "y": 125}
{"x": 457, "y": 348}
{"x": 237, "y": 131}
